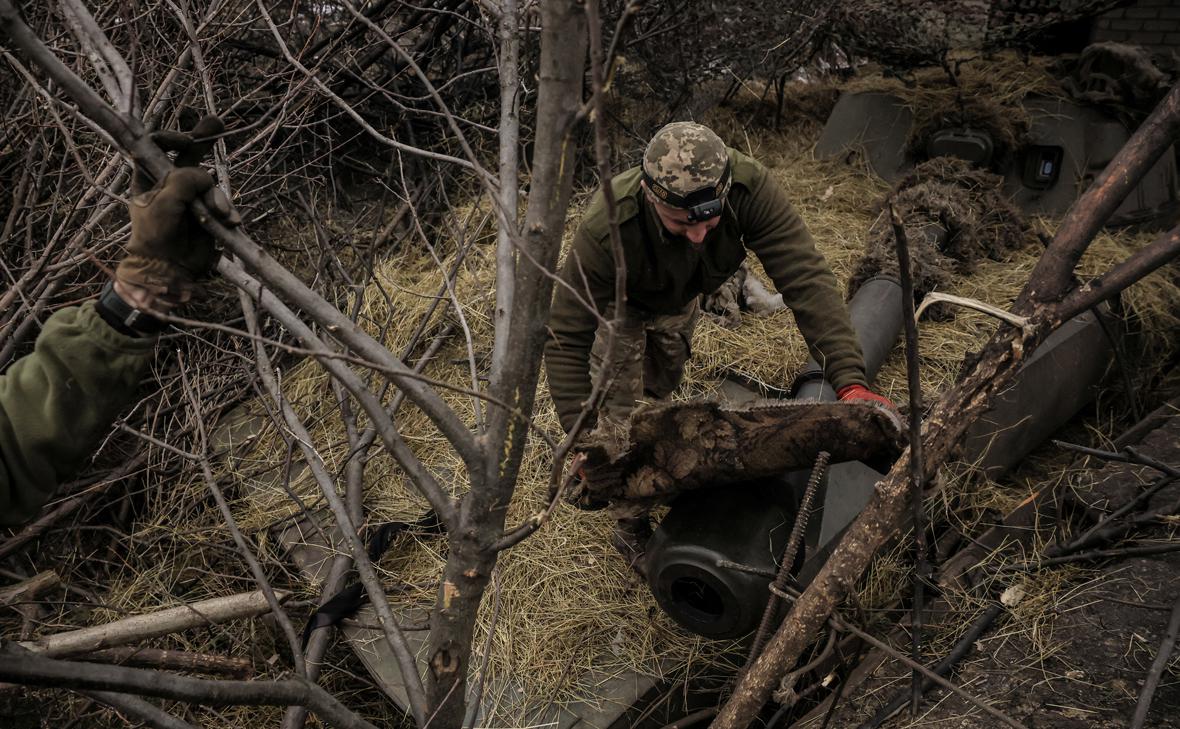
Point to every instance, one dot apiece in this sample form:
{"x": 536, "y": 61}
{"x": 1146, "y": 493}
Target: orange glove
{"x": 863, "y": 394}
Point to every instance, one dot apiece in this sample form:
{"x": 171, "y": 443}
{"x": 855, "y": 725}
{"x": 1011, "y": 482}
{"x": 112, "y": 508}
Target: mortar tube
{"x": 875, "y": 312}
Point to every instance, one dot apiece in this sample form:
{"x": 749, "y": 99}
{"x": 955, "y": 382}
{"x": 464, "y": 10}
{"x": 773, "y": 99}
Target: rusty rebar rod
{"x": 788, "y": 561}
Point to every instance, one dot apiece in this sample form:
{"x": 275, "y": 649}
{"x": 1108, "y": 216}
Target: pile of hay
{"x": 568, "y": 603}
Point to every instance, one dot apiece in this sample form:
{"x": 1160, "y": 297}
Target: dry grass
{"x": 568, "y": 603}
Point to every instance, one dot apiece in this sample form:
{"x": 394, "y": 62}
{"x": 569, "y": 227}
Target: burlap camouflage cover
{"x": 670, "y": 448}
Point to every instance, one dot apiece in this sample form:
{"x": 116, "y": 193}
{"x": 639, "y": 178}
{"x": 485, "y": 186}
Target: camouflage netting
{"x": 1005, "y": 122}
{"x": 954, "y": 216}
{"x": 903, "y": 34}
{"x": 1120, "y": 78}
{"x": 681, "y": 446}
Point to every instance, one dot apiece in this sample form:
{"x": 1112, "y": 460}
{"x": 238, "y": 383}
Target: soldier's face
{"x": 676, "y": 222}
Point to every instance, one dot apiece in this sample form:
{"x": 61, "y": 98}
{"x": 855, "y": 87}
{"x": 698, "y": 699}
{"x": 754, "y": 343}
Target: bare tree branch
{"x": 35, "y": 670}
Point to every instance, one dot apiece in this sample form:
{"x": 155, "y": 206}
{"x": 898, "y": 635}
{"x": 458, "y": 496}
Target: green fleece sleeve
{"x": 587, "y": 278}
{"x": 780, "y": 239}
{"x": 58, "y": 402}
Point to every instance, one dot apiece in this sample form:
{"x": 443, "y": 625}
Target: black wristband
{"x": 124, "y": 317}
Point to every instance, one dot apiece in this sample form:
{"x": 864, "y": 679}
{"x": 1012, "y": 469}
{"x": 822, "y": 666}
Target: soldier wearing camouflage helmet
{"x": 687, "y": 218}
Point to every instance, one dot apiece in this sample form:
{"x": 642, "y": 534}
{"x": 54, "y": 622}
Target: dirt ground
{"x": 1077, "y": 657}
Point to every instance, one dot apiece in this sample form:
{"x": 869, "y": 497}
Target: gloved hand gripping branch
{"x": 170, "y": 251}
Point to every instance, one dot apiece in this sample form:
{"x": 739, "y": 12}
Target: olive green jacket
{"x": 664, "y": 273}
{"x": 57, "y": 403}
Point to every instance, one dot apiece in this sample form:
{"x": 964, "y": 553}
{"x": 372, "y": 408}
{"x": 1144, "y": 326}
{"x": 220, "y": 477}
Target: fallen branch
{"x": 1157, "y": 669}
{"x": 92, "y": 488}
{"x": 154, "y": 625}
{"x": 29, "y": 589}
{"x": 272, "y": 598}
{"x": 840, "y": 624}
{"x": 1127, "y": 455}
{"x": 171, "y": 660}
{"x": 364, "y": 566}
{"x": 965, "y": 645}
{"x": 917, "y": 481}
{"x": 1144, "y": 551}
{"x": 36, "y": 670}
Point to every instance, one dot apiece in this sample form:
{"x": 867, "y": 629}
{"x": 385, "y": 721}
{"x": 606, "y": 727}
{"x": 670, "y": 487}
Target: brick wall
{"x": 1153, "y": 24}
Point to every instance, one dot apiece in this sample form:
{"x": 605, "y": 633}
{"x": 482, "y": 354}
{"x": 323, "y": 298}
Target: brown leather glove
{"x": 169, "y": 250}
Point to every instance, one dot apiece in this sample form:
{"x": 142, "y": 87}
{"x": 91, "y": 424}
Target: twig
{"x": 1122, "y": 275}
{"x": 1128, "y": 455}
{"x": 256, "y": 570}
{"x": 512, "y": 537}
{"x": 130, "y": 134}
{"x": 1095, "y": 554}
{"x": 124, "y": 427}
{"x": 1111, "y": 527}
{"x": 1157, "y": 669}
{"x": 843, "y": 625}
{"x": 171, "y": 660}
{"x": 29, "y": 589}
{"x": 392, "y": 633}
{"x": 138, "y": 709}
{"x": 786, "y": 694}
{"x": 914, "y": 382}
{"x": 964, "y": 646}
{"x": 693, "y": 719}
{"x": 93, "y": 488}
{"x": 836, "y": 622}
{"x": 110, "y": 67}
{"x": 347, "y": 108}
{"x": 422, "y": 479}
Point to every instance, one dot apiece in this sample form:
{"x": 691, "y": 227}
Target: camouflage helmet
{"x": 686, "y": 164}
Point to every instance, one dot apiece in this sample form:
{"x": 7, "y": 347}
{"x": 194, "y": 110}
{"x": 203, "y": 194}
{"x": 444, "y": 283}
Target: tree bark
{"x": 508, "y": 233}
{"x": 481, "y": 519}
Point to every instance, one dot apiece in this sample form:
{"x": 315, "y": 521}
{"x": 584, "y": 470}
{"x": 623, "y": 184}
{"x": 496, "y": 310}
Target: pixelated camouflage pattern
{"x": 685, "y": 157}
{"x": 649, "y": 358}
{"x": 726, "y": 302}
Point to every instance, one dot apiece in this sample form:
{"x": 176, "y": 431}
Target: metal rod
{"x": 788, "y": 561}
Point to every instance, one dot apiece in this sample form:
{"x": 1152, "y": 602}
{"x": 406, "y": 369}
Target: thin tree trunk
{"x": 481, "y": 519}
{"x": 506, "y": 258}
